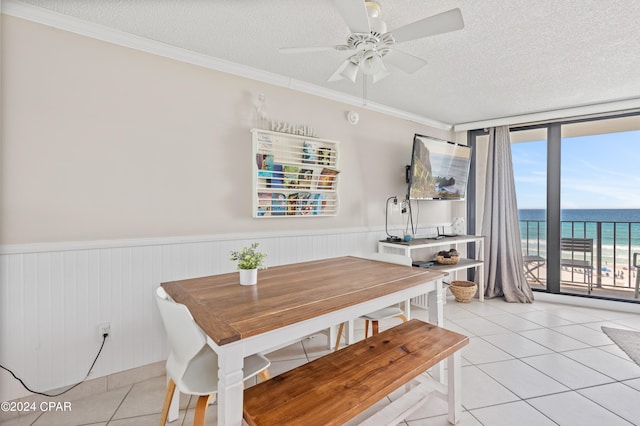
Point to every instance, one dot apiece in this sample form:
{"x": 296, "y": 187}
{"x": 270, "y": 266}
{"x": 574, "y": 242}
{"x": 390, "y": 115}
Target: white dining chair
{"x": 381, "y": 314}
{"x": 192, "y": 366}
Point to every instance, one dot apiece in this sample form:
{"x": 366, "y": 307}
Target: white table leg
{"x": 436, "y": 316}
{"x": 481, "y": 283}
{"x": 434, "y": 304}
{"x": 407, "y": 308}
{"x": 480, "y": 270}
{"x": 331, "y": 337}
{"x": 454, "y": 394}
{"x": 230, "y": 386}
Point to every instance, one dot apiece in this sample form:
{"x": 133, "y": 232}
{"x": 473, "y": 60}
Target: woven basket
{"x": 447, "y": 260}
{"x": 463, "y": 290}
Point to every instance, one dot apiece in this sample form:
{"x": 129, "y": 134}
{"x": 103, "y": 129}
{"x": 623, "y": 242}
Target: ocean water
{"x": 619, "y": 226}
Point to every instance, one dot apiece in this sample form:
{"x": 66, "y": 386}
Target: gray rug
{"x": 627, "y": 340}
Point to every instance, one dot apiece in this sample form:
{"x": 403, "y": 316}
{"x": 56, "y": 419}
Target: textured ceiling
{"x": 512, "y": 58}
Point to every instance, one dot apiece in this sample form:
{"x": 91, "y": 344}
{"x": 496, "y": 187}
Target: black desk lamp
{"x": 390, "y": 238}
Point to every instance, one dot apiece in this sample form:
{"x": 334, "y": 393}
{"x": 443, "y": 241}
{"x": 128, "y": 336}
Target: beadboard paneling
{"x": 52, "y": 300}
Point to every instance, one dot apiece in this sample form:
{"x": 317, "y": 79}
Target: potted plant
{"x": 249, "y": 261}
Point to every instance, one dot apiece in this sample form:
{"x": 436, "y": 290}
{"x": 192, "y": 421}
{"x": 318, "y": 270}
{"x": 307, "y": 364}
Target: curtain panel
{"x": 504, "y": 271}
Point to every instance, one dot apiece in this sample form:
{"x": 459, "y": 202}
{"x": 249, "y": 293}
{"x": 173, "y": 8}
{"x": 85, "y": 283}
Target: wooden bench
{"x": 337, "y": 387}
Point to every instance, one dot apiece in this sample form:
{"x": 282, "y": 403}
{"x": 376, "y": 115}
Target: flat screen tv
{"x": 439, "y": 169}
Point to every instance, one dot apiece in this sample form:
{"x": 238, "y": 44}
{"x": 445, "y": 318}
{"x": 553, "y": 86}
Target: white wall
{"x": 104, "y": 142}
{"x": 122, "y": 169}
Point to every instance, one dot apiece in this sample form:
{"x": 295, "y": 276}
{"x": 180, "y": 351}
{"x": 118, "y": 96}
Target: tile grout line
{"x": 120, "y": 404}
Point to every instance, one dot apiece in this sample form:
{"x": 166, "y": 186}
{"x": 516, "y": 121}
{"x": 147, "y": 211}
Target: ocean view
{"x": 619, "y": 225}
{"x": 589, "y": 215}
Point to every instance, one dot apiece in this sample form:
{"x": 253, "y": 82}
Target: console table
{"x": 413, "y": 247}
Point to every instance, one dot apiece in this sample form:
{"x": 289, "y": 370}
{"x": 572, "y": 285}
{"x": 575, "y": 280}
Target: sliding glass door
{"x": 578, "y": 189}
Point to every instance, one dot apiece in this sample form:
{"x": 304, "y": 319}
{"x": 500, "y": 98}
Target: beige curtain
{"x": 504, "y": 266}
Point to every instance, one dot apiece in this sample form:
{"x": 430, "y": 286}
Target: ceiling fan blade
{"x": 404, "y": 61}
{"x": 354, "y": 13}
{"x": 437, "y": 24}
{"x": 309, "y": 49}
{"x": 336, "y": 75}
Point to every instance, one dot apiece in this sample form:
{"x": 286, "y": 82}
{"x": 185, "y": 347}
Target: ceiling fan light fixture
{"x": 373, "y": 9}
{"x": 380, "y": 75}
{"x": 350, "y": 71}
{"x": 371, "y": 62}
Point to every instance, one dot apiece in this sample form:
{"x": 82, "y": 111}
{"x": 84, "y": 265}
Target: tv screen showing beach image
{"x": 439, "y": 169}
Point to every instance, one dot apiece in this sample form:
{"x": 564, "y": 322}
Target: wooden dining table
{"x": 291, "y": 302}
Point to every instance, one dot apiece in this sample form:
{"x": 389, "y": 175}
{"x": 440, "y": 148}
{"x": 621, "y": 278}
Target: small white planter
{"x": 248, "y": 276}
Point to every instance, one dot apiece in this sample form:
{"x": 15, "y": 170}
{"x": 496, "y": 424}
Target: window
{"x": 529, "y": 153}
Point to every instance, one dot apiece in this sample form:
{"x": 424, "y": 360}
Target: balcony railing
{"x": 614, "y": 244}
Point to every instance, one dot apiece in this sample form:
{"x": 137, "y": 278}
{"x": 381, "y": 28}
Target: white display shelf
{"x": 294, "y": 176}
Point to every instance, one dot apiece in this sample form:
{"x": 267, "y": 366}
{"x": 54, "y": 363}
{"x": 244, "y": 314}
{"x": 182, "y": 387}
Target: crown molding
{"x": 554, "y": 115}
{"x": 121, "y": 38}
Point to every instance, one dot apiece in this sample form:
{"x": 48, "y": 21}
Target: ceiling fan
{"x": 371, "y": 46}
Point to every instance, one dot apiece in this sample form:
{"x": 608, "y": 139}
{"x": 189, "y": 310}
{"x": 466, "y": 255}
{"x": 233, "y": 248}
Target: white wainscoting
{"x": 54, "y": 296}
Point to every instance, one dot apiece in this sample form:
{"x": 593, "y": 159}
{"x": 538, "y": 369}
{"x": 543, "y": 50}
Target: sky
{"x": 597, "y": 172}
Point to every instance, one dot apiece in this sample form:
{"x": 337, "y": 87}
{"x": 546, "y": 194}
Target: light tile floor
{"x": 526, "y": 364}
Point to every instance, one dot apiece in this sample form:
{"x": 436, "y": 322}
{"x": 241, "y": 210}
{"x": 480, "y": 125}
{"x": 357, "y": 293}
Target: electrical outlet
{"x": 104, "y": 328}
